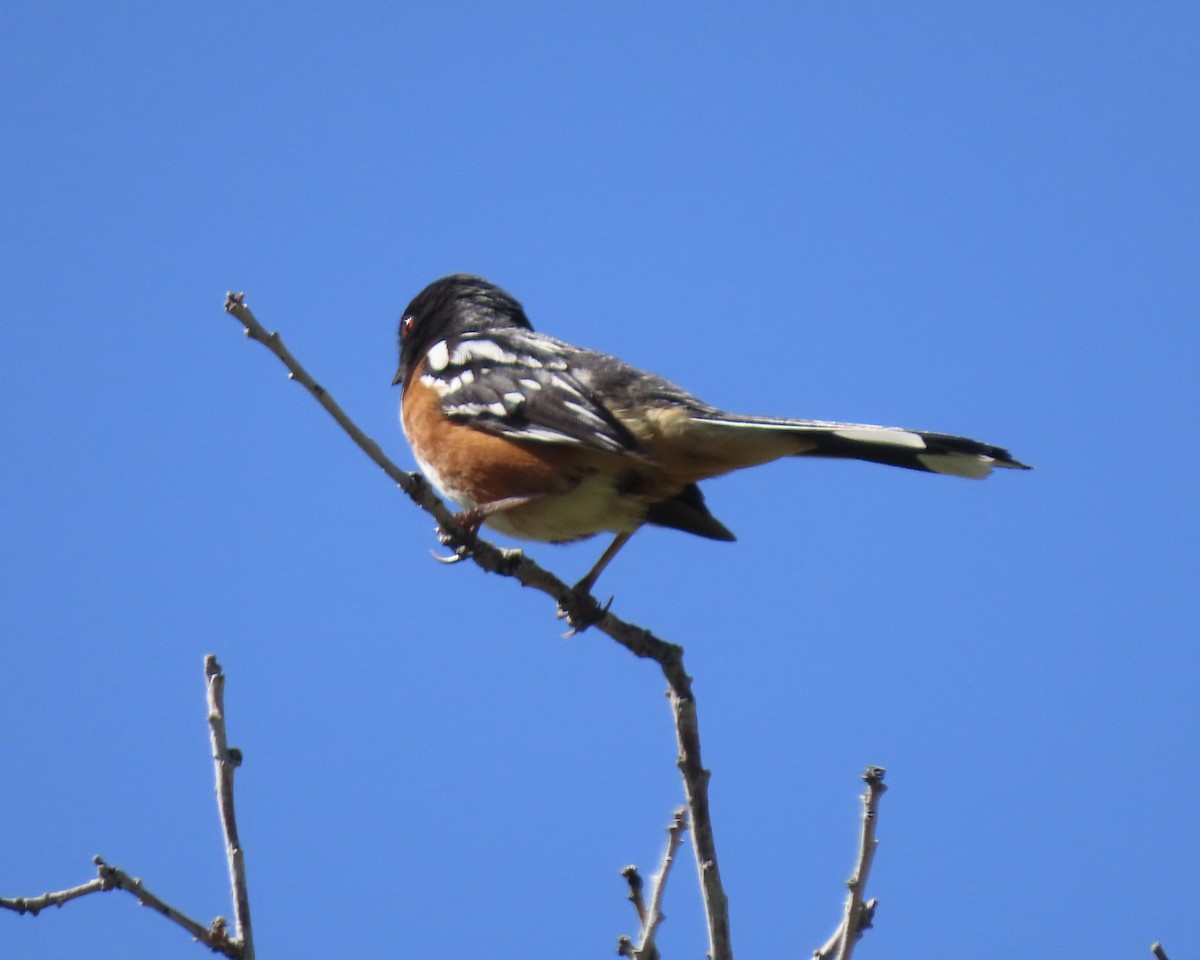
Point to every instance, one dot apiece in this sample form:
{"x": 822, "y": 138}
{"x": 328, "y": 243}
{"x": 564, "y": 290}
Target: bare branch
{"x": 214, "y": 936}
{"x": 695, "y": 789}
{"x": 225, "y": 761}
{"x": 240, "y": 946}
{"x": 858, "y": 915}
{"x": 513, "y": 563}
{"x": 654, "y": 915}
{"x": 35, "y": 905}
{"x": 1156, "y": 948}
{"x": 634, "y": 879}
{"x": 113, "y": 878}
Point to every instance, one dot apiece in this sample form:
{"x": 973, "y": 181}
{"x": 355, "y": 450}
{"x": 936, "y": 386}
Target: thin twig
{"x": 214, "y": 936}
{"x": 513, "y": 563}
{"x": 695, "y": 791}
{"x": 240, "y": 946}
{"x": 113, "y": 878}
{"x": 1156, "y": 948}
{"x": 654, "y": 915}
{"x": 625, "y": 947}
{"x": 35, "y": 905}
{"x": 225, "y": 761}
{"x": 857, "y": 915}
{"x": 634, "y": 879}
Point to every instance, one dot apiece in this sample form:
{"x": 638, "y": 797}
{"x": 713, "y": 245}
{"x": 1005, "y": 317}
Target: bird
{"x": 542, "y": 440}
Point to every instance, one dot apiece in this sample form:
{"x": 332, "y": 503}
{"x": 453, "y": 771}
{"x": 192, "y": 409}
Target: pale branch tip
{"x": 651, "y": 915}
{"x": 858, "y": 913}
{"x": 225, "y": 761}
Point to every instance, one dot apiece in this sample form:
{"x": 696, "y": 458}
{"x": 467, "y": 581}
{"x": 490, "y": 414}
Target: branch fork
{"x": 216, "y": 936}
{"x": 651, "y": 916}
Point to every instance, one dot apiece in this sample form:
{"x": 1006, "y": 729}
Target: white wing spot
{"x": 540, "y": 433}
{"x": 514, "y": 398}
{"x": 584, "y": 412}
{"x": 475, "y": 409}
{"x": 565, "y": 385}
{"x": 438, "y": 357}
{"x": 470, "y": 350}
{"x": 531, "y": 385}
{"x": 440, "y": 387}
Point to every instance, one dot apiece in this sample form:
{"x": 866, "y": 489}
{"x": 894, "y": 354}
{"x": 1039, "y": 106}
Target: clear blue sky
{"x": 975, "y": 218}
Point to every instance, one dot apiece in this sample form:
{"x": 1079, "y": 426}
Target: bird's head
{"x": 448, "y": 308}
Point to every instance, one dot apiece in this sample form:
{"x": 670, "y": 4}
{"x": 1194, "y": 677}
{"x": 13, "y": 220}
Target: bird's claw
{"x": 460, "y": 541}
{"x": 581, "y": 610}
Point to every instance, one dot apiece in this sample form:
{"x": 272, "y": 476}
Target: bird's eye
{"x": 406, "y": 325}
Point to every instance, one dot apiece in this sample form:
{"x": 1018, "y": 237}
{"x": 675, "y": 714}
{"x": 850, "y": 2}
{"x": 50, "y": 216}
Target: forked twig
{"x": 830, "y": 947}
{"x": 654, "y": 914}
{"x": 651, "y": 917}
{"x": 636, "y": 885}
{"x": 513, "y": 563}
{"x": 225, "y": 761}
{"x": 216, "y": 936}
{"x": 114, "y": 878}
{"x": 858, "y": 914}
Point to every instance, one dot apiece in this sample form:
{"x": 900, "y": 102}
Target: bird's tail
{"x": 895, "y": 446}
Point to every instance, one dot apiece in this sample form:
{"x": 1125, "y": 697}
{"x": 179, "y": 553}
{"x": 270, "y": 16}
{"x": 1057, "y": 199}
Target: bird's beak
{"x": 399, "y": 377}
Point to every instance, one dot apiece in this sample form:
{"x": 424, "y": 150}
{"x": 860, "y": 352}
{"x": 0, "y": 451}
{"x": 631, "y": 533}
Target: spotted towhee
{"x": 542, "y": 440}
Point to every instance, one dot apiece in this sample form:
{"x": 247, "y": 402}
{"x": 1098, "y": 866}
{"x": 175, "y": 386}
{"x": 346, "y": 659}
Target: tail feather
{"x": 894, "y": 446}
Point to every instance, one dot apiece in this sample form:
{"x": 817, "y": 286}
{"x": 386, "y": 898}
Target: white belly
{"x": 594, "y": 506}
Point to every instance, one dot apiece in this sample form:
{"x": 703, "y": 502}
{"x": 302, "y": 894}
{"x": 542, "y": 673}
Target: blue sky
{"x": 980, "y": 219}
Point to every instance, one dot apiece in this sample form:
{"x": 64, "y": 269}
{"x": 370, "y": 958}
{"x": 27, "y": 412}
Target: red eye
{"x": 406, "y": 326}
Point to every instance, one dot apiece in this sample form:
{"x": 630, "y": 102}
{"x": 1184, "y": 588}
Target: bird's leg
{"x": 469, "y": 521}
{"x": 585, "y": 585}
{"x": 578, "y": 607}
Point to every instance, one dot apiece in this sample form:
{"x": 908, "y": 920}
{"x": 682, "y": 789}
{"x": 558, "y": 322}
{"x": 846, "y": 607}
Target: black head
{"x": 450, "y": 307}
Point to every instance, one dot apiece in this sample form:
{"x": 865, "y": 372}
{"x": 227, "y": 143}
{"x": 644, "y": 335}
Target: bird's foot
{"x": 580, "y": 609}
{"x": 460, "y": 538}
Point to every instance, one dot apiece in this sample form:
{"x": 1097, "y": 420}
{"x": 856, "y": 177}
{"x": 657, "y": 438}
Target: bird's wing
{"x": 521, "y": 385}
